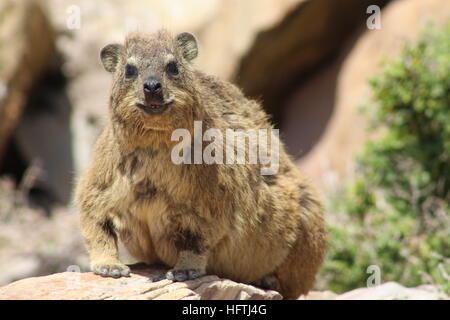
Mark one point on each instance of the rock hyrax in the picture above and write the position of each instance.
(223, 219)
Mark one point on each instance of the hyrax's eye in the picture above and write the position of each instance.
(130, 71)
(172, 68)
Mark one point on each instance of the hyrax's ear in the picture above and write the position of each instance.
(110, 56)
(188, 44)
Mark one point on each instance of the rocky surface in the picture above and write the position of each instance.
(323, 125)
(385, 291)
(88, 286)
(309, 35)
(81, 286)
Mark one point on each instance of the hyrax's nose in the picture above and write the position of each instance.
(152, 86)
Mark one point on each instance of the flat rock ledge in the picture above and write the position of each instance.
(384, 291)
(88, 286)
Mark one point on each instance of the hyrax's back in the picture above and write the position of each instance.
(254, 219)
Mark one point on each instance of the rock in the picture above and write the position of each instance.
(284, 55)
(385, 291)
(320, 295)
(322, 123)
(82, 286)
(88, 286)
(26, 44)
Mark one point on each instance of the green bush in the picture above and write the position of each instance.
(397, 209)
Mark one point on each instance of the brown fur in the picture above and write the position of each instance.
(227, 220)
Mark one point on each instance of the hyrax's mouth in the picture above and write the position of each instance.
(154, 107)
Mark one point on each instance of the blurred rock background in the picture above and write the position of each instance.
(307, 60)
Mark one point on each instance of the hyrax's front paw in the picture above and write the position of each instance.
(183, 275)
(114, 269)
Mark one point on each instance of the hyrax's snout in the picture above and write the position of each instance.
(152, 90)
(154, 97)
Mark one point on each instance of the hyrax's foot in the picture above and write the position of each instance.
(183, 275)
(267, 283)
(114, 269)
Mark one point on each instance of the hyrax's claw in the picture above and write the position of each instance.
(193, 274)
(115, 273)
(169, 275)
(183, 275)
(180, 275)
(125, 272)
(115, 269)
(157, 277)
(102, 271)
